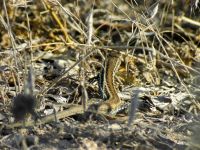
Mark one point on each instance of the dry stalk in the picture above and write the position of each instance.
(13, 46)
(133, 107)
(56, 18)
(65, 73)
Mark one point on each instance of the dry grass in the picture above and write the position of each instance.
(66, 44)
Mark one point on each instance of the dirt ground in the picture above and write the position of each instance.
(53, 51)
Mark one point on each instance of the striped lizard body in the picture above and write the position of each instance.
(112, 64)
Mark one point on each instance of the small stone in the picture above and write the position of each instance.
(115, 126)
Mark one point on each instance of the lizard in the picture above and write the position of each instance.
(112, 104)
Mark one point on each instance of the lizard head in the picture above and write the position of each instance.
(104, 108)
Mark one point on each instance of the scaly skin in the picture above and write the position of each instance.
(112, 64)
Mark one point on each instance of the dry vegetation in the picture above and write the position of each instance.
(65, 43)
